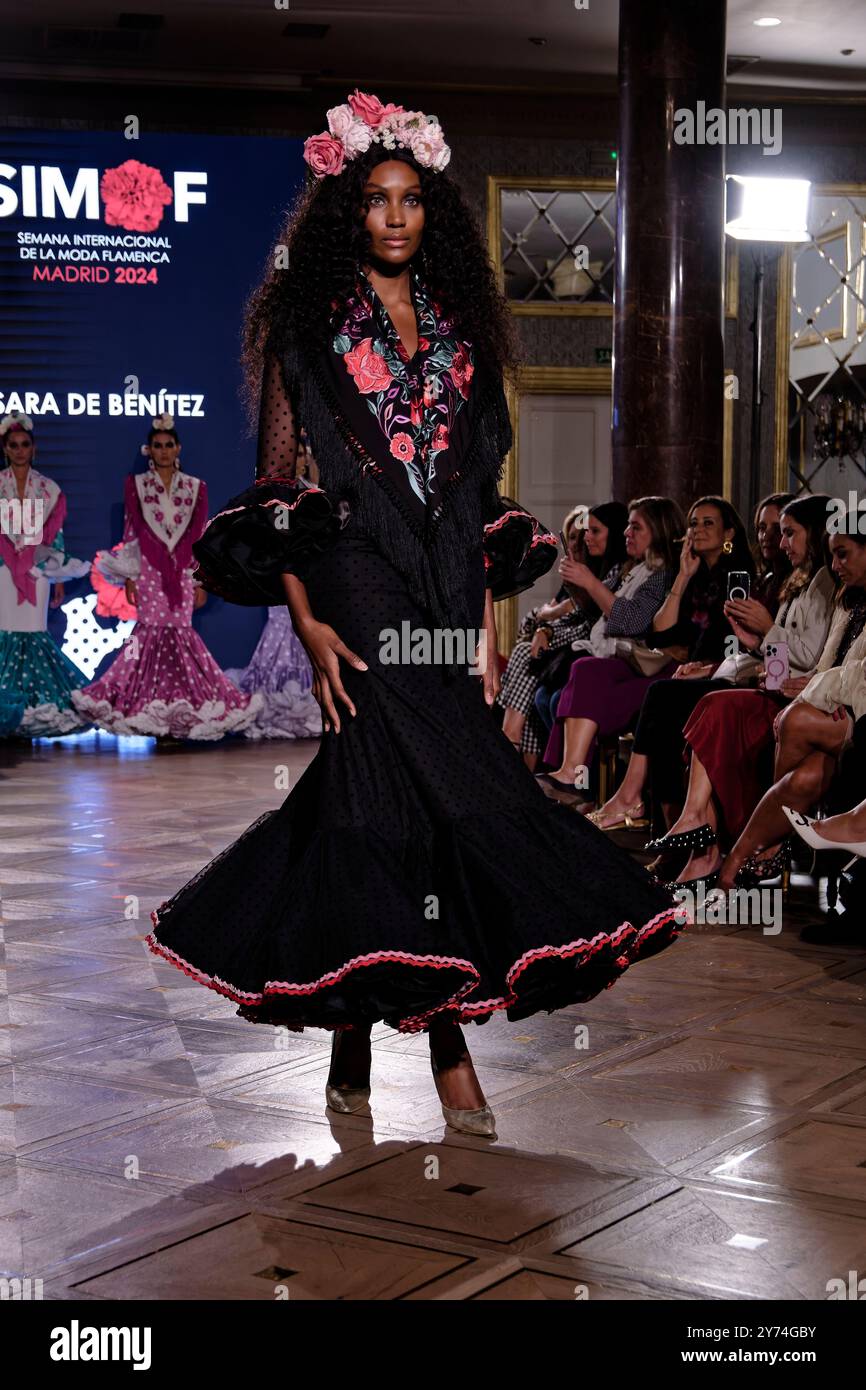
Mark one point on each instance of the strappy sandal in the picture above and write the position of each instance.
(628, 821)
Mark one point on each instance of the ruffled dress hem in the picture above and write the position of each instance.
(544, 977)
(177, 719)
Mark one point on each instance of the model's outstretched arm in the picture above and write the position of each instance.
(277, 450)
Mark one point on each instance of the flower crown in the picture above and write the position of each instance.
(15, 420)
(363, 121)
(165, 421)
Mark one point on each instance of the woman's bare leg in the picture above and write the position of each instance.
(456, 1082)
(699, 808)
(578, 735)
(849, 826)
(768, 824)
(513, 724)
(627, 796)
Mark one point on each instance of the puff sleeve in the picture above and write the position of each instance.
(518, 549)
(278, 526)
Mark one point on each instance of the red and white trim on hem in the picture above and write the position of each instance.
(626, 936)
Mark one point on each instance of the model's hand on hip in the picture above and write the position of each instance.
(324, 648)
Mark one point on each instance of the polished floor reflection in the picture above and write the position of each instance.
(702, 1135)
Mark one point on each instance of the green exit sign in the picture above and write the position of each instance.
(603, 357)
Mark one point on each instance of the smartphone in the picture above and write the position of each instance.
(739, 584)
(777, 666)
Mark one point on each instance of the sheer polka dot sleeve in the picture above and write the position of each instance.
(278, 436)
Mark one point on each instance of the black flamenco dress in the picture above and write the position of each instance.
(416, 868)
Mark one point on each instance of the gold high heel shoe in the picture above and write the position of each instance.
(632, 819)
(345, 1100)
(481, 1122)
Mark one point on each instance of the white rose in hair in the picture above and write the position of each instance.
(357, 138)
(427, 144)
(442, 158)
(340, 118)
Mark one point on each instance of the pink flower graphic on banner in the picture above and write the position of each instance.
(135, 196)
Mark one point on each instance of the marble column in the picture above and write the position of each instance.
(668, 328)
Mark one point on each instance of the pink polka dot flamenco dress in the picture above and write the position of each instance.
(164, 680)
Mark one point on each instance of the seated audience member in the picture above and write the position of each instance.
(657, 752)
(842, 830)
(732, 733)
(606, 684)
(542, 653)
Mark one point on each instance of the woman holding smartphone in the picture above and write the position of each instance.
(730, 733)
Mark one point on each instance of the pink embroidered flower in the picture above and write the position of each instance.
(369, 369)
(324, 154)
(159, 516)
(440, 438)
(462, 371)
(402, 447)
(135, 196)
(370, 109)
(415, 411)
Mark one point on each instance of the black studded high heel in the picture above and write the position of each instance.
(700, 838)
(754, 870)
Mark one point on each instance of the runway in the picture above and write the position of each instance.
(697, 1133)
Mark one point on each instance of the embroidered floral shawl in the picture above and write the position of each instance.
(409, 414)
(166, 523)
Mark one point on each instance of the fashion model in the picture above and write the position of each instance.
(416, 874)
(36, 680)
(164, 680)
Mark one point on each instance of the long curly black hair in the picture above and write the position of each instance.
(313, 267)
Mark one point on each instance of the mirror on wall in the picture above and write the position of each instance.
(553, 245)
(822, 321)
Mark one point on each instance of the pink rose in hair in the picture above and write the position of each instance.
(370, 109)
(324, 154)
(427, 144)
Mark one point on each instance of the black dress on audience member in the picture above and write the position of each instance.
(702, 630)
(400, 878)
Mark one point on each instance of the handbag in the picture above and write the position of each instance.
(551, 668)
(648, 661)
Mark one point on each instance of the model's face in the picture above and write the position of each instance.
(596, 537)
(393, 212)
(19, 448)
(794, 540)
(849, 560)
(164, 450)
(707, 532)
(637, 536)
(769, 535)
